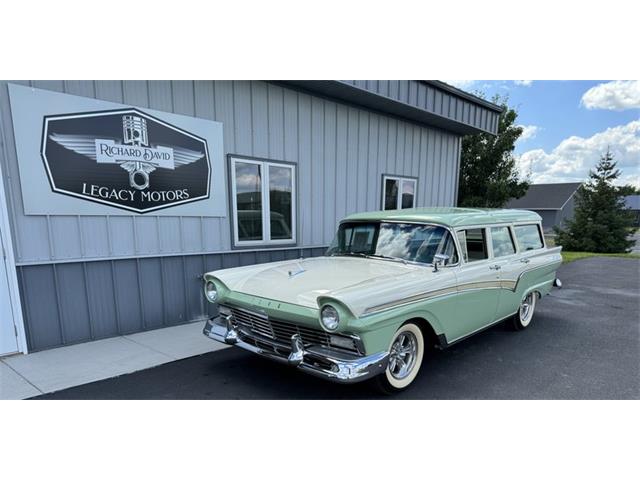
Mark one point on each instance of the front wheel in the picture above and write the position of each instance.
(522, 319)
(405, 358)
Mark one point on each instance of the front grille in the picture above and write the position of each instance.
(282, 331)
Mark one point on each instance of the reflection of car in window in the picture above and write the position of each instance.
(250, 225)
(279, 227)
(391, 285)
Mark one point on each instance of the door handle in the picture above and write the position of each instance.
(525, 260)
(495, 267)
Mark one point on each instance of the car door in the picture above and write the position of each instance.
(517, 274)
(478, 284)
(508, 265)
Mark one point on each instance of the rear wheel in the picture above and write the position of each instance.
(405, 358)
(522, 319)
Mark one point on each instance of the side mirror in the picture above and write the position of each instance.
(439, 260)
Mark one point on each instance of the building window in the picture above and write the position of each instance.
(398, 192)
(263, 202)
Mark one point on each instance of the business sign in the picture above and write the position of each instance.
(126, 159)
(122, 159)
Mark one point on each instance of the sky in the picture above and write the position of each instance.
(569, 124)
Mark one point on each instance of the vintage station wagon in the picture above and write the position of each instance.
(392, 284)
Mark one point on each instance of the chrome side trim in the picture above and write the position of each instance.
(412, 299)
(511, 285)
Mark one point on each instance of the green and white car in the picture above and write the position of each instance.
(391, 285)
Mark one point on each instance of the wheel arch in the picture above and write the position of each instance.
(428, 331)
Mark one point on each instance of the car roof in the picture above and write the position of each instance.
(449, 216)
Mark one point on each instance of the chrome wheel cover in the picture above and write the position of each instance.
(526, 309)
(402, 357)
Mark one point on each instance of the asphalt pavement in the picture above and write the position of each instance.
(583, 343)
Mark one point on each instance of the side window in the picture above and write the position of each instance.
(474, 244)
(434, 241)
(502, 242)
(529, 237)
(462, 240)
(449, 248)
(398, 192)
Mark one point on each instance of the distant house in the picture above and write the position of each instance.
(633, 203)
(554, 202)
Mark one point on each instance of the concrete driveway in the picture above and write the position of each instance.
(584, 343)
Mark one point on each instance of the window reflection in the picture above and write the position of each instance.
(391, 194)
(280, 187)
(398, 192)
(528, 237)
(412, 242)
(408, 191)
(248, 180)
(502, 243)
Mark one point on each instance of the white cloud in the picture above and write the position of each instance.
(617, 95)
(528, 132)
(524, 83)
(572, 159)
(462, 84)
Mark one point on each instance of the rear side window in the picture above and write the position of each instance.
(474, 244)
(502, 242)
(529, 237)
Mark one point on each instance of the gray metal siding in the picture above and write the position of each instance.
(549, 218)
(69, 303)
(89, 277)
(261, 120)
(567, 211)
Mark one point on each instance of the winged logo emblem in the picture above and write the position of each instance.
(133, 152)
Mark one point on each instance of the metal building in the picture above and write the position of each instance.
(244, 172)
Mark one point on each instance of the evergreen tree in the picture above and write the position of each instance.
(601, 223)
(489, 175)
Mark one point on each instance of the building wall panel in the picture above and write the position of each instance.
(85, 277)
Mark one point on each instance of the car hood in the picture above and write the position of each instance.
(301, 282)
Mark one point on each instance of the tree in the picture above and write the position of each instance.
(601, 223)
(628, 190)
(488, 173)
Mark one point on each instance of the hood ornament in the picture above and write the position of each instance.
(296, 272)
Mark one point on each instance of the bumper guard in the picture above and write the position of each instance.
(317, 360)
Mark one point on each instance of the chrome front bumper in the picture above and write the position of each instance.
(323, 362)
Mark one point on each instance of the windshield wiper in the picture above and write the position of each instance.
(368, 255)
(386, 257)
(349, 254)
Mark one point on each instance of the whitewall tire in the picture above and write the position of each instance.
(406, 352)
(523, 317)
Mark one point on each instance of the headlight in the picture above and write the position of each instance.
(329, 317)
(210, 291)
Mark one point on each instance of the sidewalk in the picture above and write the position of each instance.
(24, 376)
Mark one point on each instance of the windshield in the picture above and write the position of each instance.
(398, 241)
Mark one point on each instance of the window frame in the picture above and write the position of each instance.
(540, 235)
(265, 202)
(486, 232)
(400, 180)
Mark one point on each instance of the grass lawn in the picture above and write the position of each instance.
(568, 257)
